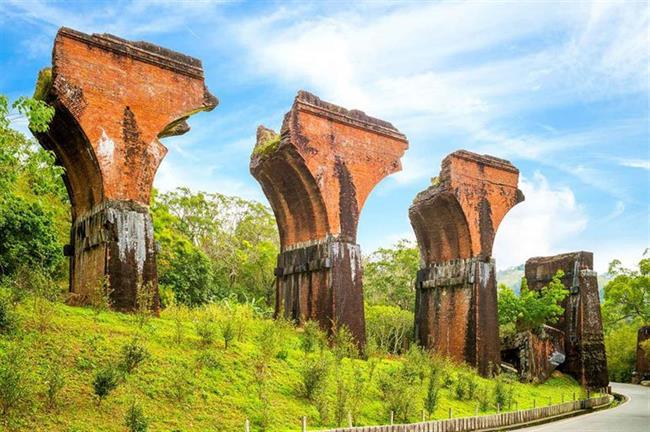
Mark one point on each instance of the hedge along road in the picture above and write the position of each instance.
(631, 416)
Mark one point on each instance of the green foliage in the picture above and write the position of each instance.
(314, 375)
(627, 295)
(532, 308)
(389, 328)
(620, 346)
(54, 381)
(8, 318)
(313, 338)
(133, 354)
(105, 381)
(343, 343)
(626, 307)
(213, 246)
(135, 420)
(43, 84)
(389, 275)
(14, 382)
(433, 388)
(268, 146)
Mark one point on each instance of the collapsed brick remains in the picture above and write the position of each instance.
(455, 221)
(534, 354)
(113, 100)
(582, 323)
(317, 175)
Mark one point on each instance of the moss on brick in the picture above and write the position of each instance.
(43, 84)
(267, 146)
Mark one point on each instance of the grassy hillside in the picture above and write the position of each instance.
(189, 381)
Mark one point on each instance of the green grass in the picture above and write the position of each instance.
(218, 387)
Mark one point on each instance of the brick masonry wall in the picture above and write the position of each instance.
(582, 322)
(113, 100)
(455, 222)
(317, 175)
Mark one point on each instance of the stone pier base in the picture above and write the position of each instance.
(321, 281)
(114, 243)
(455, 312)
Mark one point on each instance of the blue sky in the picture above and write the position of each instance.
(559, 88)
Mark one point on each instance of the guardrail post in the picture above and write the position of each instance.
(247, 426)
(349, 418)
(476, 411)
(304, 423)
(498, 408)
(451, 413)
(392, 417)
(574, 396)
(534, 403)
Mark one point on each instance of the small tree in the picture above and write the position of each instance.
(133, 353)
(14, 382)
(135, 420)
(227, 332)
(105, 381)
(54, 380)
(314, 375)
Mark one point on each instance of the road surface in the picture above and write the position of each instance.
(632, 416)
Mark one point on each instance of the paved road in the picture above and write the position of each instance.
(632, 416)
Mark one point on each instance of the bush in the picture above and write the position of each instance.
(313, 337)
(206, 329)
(433, 389)
(399, 392)
(14, 382)
(134, 420)
(133, 353)
(389, 328)
(105, 381)
(8, 318)
(228, 331)
(343, 343)
(54, 381)
(314, 375)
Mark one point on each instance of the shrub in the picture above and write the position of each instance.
(206, 329)
(313, 337)
(180, 387)
(314, 375)
(144, 303)
(390, 328)
(133, 353)
(14, 382)
(343, 343)
(399, 391)
(620, 344)
(8, 317)
(105, 381)
(433, 389)
(54, 382)
(134, 420)
(227, 331)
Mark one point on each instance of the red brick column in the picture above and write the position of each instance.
(114, 99)
(455, 221)
(582, 323)
(317, 175)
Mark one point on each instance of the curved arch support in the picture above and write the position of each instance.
(105, 134)
(317, 175)
(455, 222)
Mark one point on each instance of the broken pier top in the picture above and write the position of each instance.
(114, 99)
(458, 216)
(319, 171)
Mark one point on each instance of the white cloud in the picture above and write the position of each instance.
(546, 223)
(636, 163)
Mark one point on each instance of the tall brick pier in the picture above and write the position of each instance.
(317, 175)
(114, 99)
(582, 323)
(455, 221)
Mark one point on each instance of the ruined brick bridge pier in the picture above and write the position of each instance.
(317, 174)
(113, 101)
(455, 222)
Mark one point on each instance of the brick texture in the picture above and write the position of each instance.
(114, 99)
(317, 175)
(455, 221)
(582, 323)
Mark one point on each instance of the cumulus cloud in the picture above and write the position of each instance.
(546, 223)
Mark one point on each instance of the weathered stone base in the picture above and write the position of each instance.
(535, 355)
(322, 281)
(642, 368)
(114, 240)
(455, 311)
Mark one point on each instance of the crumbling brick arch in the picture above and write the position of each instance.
(455, 220)
(114, 99)
(317, 174)
(293, 193)
(441, 229)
